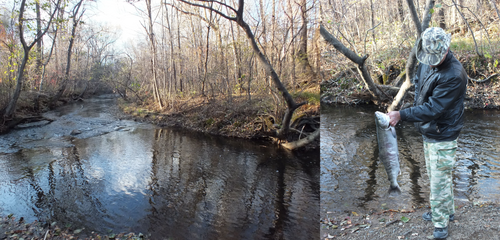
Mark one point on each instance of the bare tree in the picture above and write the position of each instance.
(9, 111)
(410, 64)
(412, 59)
(302, 53)
(76, 20)
(236, 15)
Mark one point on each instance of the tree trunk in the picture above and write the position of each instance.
(76, 21)
(292, 60)
(39, 56)
(9, 111)
(274, 77)
(412, 59)
(173, 79)
(441, 17)
(205, 64)
(20, 75)
(151, 36)
(401, 12)
(302, 53)
(269, 70)
(237, 61)
(181, 62)
(495, 6)
(373, 26)
(368, 81)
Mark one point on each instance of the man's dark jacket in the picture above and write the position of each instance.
(438, 110)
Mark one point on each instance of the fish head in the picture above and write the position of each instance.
(382, 119)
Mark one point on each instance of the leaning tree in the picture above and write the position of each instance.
(235, 14)
(374, 89)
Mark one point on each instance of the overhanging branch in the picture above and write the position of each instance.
(212, 9)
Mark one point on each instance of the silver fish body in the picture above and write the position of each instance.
(388, 149)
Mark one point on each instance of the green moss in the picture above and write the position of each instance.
(311, 98)
(209, 122)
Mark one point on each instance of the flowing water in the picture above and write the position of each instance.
(119, 176)
(353, 178)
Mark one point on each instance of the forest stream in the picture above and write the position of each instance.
(85, 168)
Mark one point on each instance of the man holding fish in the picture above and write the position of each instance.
(438, 114)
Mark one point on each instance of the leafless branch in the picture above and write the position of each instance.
(212, 9)
(371, 29)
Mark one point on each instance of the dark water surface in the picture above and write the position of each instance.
(353, 178)
(120, 176)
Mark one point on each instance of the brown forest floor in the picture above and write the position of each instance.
(474, 221)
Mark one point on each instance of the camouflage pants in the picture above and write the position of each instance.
(439, 160)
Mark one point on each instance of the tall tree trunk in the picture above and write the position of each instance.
(44, 65)
(9, 111)
(292, 60)
(441, 17)
(76, 21)
(237, 60)
(401, 12)
(205, 65)
(373, 26)
(173, 78)
(39, 56)
(181, 62)
(302, 52)
(151, 36)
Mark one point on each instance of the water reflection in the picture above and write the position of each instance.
(167, 183)
(352, 179)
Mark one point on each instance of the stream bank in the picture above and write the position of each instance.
(238, 118)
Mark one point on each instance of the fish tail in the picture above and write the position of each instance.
(395, 189)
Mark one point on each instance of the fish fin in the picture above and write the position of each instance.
(394, 190)
(393, 131)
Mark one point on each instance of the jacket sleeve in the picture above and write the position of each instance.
(443, 96)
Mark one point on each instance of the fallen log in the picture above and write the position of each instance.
(302, 142)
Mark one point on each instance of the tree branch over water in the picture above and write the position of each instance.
(360, 61)
(270, 72)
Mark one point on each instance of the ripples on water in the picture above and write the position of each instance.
(163, 182)
(353, 179)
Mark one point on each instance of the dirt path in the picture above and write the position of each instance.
(475, 221)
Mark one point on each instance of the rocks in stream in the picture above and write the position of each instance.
(75, 132)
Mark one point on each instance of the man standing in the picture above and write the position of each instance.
(438, 114)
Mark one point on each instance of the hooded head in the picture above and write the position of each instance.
(433, 46)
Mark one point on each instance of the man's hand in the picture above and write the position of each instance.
(394, 117)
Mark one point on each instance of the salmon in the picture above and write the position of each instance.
(388, 150)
